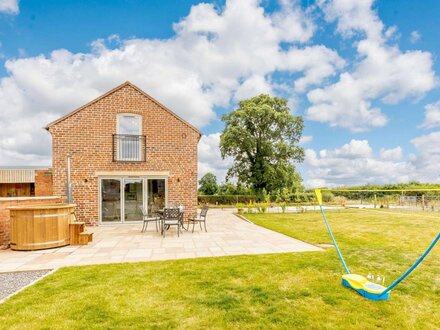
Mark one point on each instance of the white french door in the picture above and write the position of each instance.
(121, 198)
(133, 199)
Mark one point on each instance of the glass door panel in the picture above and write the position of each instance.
(133, 199)
(129, 137)
(111, 200)
(156, 195)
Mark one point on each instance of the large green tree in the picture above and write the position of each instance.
(262, 137)
(208, 184)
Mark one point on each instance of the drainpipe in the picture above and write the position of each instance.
(69, 184)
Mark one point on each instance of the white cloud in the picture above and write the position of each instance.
(391, 154)
(305, 59)
(432, 115)
(414, 36)
(253, 86)
(292, 24)
(384, 73)
(305, 139)
(353, 17)
(217, 55)
(428, 158)
(210, 159)
(9, 7)
(356, 149)
(429, 142)
(355, 163)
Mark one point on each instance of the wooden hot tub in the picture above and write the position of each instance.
(35, 227)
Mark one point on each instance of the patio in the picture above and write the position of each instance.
(227, 235)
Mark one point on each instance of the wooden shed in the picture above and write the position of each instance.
(25, 181)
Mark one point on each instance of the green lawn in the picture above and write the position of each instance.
(282, 291)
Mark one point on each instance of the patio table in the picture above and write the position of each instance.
(160, 212)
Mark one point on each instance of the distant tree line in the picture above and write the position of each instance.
(392, 187)
(211, 191)
(208, 185)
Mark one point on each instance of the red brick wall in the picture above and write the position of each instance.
(43, 182)
(171, 145)
(14, 201)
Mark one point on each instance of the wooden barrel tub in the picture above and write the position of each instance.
(36, 227)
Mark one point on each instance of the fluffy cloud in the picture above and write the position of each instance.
(352, 164)
(355, 163)
(414, 37)
(210, 159)
(305, 139)
(252, 86)
(215, 57)
(353, 17)
(384, 73)
(391, 154)
(427, 161)
(9, 7)
(432, 115)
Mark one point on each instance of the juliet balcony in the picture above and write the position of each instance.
(129, 148)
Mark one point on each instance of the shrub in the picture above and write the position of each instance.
(250, 207)
(262, 207)
(327, 197)
(240, 207)
(340, 200)
(283, 206)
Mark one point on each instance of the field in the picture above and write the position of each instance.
(279, 291)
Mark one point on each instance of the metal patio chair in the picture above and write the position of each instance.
(147, 219)
(201, 218)
(171, 217)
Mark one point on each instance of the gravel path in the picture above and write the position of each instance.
(12, 282)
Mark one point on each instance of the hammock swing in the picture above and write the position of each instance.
(361, 284)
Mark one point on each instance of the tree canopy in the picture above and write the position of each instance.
(262, 137)
(208, 184)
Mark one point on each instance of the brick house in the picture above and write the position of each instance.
(125, 150)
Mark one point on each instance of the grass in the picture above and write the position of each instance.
(280, 291)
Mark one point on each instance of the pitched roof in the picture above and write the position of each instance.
(127, 83)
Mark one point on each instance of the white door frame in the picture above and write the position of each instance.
(122, 196)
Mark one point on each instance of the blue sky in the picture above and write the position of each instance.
(363, 74)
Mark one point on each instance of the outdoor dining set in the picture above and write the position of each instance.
(168, 217)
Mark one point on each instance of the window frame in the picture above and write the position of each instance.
(128, 114)
(119, 156)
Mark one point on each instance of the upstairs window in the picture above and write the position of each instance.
(129, 140)
(129, 124)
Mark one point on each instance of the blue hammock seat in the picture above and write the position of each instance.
(364, 287)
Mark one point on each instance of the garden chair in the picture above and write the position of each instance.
(201, 218)
(171, 217)
(147, 218)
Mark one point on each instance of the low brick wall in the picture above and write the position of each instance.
(14, 201)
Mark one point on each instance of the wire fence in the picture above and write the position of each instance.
(307, 202)
(413, 203)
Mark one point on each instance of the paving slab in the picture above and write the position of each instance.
(227, 235)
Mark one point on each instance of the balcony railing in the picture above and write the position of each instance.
(129, 148)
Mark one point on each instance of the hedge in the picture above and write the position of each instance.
(226, 199)
(246, 199)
